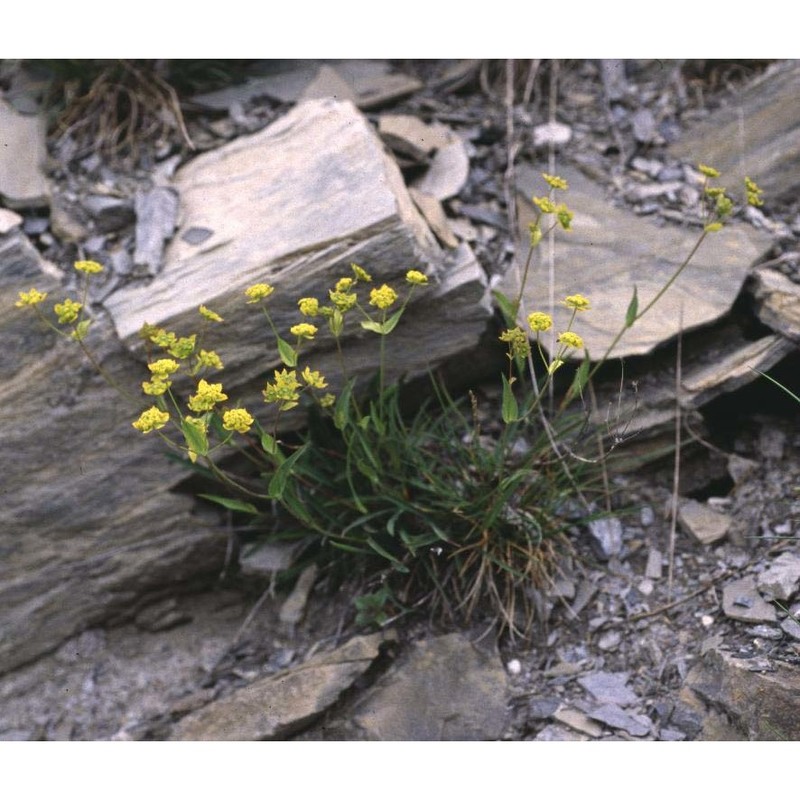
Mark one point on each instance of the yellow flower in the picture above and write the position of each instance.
(753, 193)
(518, 342)
(709, 172)
(313, 378)
(344, 284)
(361, 274)
(210, 315)
(570, 339)
(31, 298)
(209, 358)
(416, 277)
(342, 300)
(89, 267)
(151, 420)
(67, 311)
(183, 347)
(327, 400)
(545, 205)
(259, 291)
(163, 367)
(157, 386)
(554, 365)
(555, 182)
(713, 227)
(207, 396)
(539, 321)
(309, 306)
(576, 301)
(303, 330)
(535, 232)
(283, 390)
(382, 298)
(564, 217)
(724, 205)
(237, 419)
(198, 422)
(162, 338)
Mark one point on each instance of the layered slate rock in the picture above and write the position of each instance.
(293, 206)
(609, 251)
(89, 521)
(755, 134)
(445, 690)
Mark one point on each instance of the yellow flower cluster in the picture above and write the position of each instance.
(309, 306)
(303, 330)
(570, 339)
(416, 277)
(539, 321)
(555, 182)
(259, 291)
(89, 267)
(383, 297)
(207, 396)
(518, 343)
(163, 368)
(237, 419)
(67, 311)
(210, 315)
(753, 193)
(151, 420)
(313, 378)
(283, 389)
(209, 359)
(31, 298)
(361, 274)
(577, 302)
(709, 172)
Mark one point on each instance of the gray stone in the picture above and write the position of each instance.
(22, 157)
(283, 704)
(109, 213)
(328, 83)
(644, 125)
(654, 567)
(741, 601)
(702, 522)
(294, 607)
(559, 733)
(757, 136)
(771, 443)
(609, 641)
(8, 221)
(156, 218)
(764, 705)
(609, 687)
(740, 469)
(543, 707)
(606, 534)
(782, 578)
(448, 171)
(411, 136)
(578, 721)
(555, 133)
(445, 690)
(610, 250)
(613, 716)
(791, 627)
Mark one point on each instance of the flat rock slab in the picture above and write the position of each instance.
(757, 134)
(781, 580)
(610, 250)
(609, 687)
(22, 157)
(279, 705)
(446, 690)
(703, 523)
(741, 600)
(765, 705)
(294, 205)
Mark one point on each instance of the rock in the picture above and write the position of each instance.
(781, 580)
(609, 687)
(109, 213)
(791, 627)
(741, 600)
(22, 180)
(444, 690)
(67, 221)
(412, 137)
(268, 558)
(578, 721)
(644, 126)
(543, 707)
(764, 705)
(280, 705)
(606, 534)
(328, 83)
(447, 173)
(162, 616)
(554, 133)
(8, 221)
(771, 442)
(294, 607)
(156, 218)
(615, 83)
(325, 194)
(757, 136)
(434, 215)
(609, 641)
(613, 716)
(558, 733)
(654, 567)
(706, 525)
(740, 469)
(610, 250)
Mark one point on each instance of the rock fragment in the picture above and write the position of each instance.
(609, 687)
(702, 522)
(781, 580)
(742, 601)
(22, 157)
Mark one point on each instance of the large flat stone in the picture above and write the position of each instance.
(610, 250)
(22, 158)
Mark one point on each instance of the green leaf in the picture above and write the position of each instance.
(81, 330)
(506, 309)
(287, 353)
(231, 503)
(581, 377)
(269, 444)
(779, 385)
(341, 413)
(391, 323)
(387, 555)
(277, 485)
(510, 409)
(196, 438)
(633, 309)
(371, 325)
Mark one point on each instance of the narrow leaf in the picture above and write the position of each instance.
(278, 483)
(391, 323)
(268, 444)
(196, 438)
(231, 503)
(510, 409)
(633, 309)
(287, 353)
(581, 377)
(506, 308)
(371, 325)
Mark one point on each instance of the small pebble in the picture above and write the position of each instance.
(514, 667)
